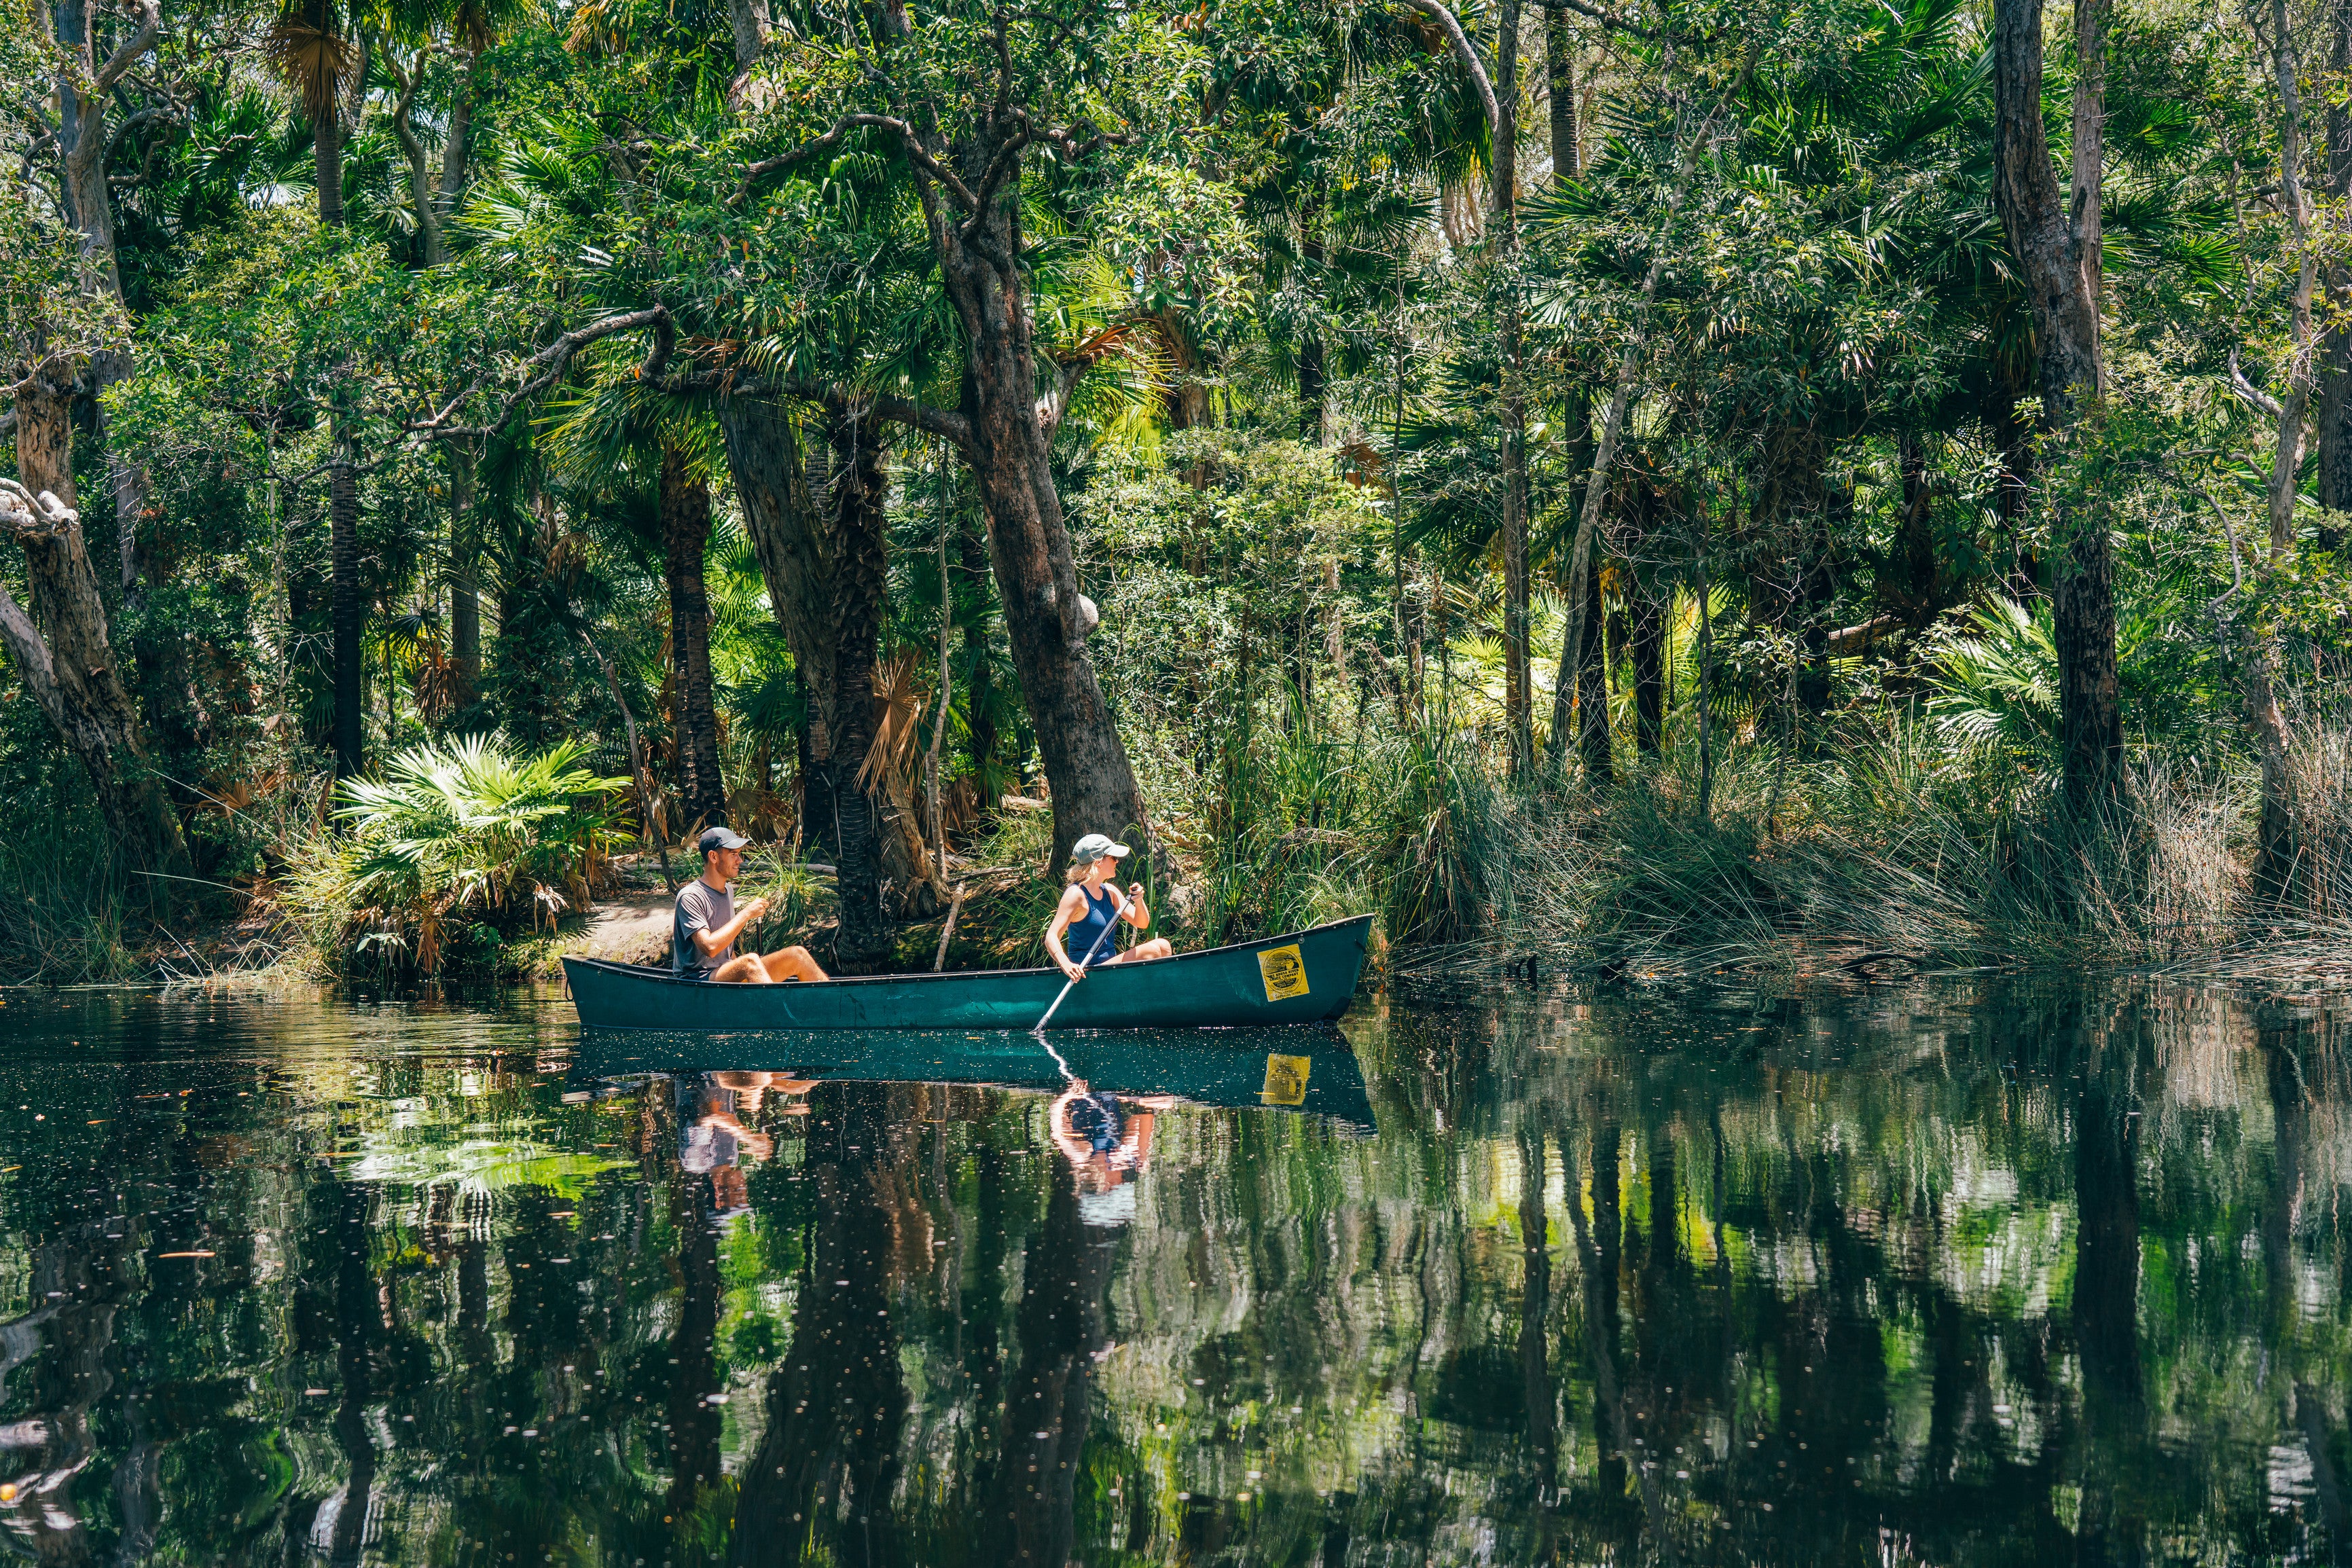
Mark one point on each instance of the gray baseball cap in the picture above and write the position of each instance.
(1093, 847)
(721, 839)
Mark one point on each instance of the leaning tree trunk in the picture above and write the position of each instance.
(1010, 447)
(2055, 238)
(66, 661)
(685, 532)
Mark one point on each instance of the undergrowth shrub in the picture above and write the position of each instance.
(461, 845)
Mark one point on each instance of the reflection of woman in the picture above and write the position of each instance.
(1108, 1141)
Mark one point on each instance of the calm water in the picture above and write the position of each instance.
(1962, 1275)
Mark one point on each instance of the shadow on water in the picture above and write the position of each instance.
(1970, 1274)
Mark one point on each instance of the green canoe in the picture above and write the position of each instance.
(1302, 976)
(1310, 1070)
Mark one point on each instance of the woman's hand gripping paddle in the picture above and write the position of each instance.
(1103, 936)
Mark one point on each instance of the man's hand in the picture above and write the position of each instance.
(752, 911)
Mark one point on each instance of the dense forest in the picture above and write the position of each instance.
(1634, 485)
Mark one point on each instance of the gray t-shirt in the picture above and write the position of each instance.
(700, 908)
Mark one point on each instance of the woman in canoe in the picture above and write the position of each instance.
(1088, 908)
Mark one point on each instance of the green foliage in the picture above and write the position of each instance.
(2000, 685)
(469, 832)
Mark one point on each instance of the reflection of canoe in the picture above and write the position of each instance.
(1309, 1069)
(1304, 976)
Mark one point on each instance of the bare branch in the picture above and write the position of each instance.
(1468, 57)
(916, 153)
(1609, 19)
(549, 364)
(151, 22)
(31, 517)
(2250, 394)
(148, 116)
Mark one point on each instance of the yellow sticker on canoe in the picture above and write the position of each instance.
(1283, 972)
(1286, 1081)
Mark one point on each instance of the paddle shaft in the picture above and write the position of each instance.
(1105, 936)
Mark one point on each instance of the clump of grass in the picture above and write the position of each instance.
(1898, 844)
(64, 913)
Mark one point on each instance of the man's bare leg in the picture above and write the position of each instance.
(738, 971)
(793, 964)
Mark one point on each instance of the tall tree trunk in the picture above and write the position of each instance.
(430, 250)
(66, 660)
(1647, 644)
(1518, 684)
(348, 610)
(1914, 540)
(1008, 440)
(1592, 691)
(2333, 419)
(2275, 852)
(686, 534)
(1498, 98)
(1314, 390)
(2055, 238)
(860, 578)
(971, 559)
(327, 168)
(456, 144)
(826, 570)
(465, 570)
(1559, 74)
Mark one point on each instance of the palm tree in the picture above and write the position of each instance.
(322, 61)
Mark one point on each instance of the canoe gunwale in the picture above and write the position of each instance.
(671, 978)
(1292, 977)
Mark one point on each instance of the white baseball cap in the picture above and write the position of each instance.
(1093, 847)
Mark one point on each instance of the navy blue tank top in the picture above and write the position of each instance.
(1079, 934)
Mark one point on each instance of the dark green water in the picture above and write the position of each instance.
(1966, 1275)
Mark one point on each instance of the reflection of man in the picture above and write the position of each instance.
(1107, 1140)
(712, 1139)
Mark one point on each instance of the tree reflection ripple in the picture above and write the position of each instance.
(1947, 1272)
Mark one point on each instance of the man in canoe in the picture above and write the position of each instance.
(1087, 909)
(704, 930)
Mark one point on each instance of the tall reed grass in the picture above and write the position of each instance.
(1898, 843)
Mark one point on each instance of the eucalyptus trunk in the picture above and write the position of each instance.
(1010, 444)
(2054, 239)
(61, 648)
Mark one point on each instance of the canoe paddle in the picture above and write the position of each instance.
(1100, 938)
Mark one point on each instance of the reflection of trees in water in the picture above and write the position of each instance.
(2029, 1277)
(836, 1405)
